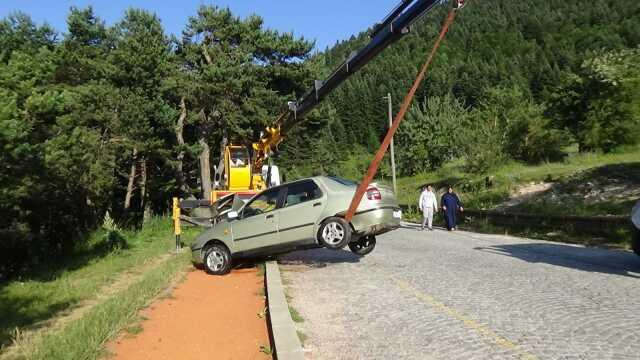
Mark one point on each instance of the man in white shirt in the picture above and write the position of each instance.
(428, 204)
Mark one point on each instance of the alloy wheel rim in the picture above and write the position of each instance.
(333, 233)
(215, 260)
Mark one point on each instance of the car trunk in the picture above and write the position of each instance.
(387, 197)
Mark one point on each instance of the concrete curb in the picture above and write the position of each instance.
(285, 338)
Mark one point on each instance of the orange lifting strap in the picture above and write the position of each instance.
(373, 167)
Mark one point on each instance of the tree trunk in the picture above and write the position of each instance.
(205, 154)
(144, 204)
(205, 168)
(182, 183)
(205, 52)
(143, 182)
(219, 175)
(132, 176)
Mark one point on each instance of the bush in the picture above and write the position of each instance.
(113, 239)
(600, 104)
(431, 135)
(517, 126)
(534, 141)
(484, 149)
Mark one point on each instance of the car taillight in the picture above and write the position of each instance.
(373, 194)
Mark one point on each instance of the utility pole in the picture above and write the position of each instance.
(393, 158)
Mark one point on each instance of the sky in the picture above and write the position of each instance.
(325, 21)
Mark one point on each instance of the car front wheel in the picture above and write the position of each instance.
(334, 233)
(217, 259)
(363, 246)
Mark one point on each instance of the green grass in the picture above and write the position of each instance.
(295, 315)
(576, 170)
(475, 194)
(58, 286)
(134, 329)
(266, 349)
(85, 338)
(261, 269)
(302, 336)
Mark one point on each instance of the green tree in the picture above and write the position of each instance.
(431, 135)
(525, 133)
(240, 76)
(613, 111)
(139, 63)
(19, 32)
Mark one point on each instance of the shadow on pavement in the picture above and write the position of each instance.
(318, 257)
(586, 259)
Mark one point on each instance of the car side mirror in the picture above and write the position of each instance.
(232, 215)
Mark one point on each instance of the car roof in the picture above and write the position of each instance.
(326, 181)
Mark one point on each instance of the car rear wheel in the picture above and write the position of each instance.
(217, 259)
(334, 233)
(363, 246)
(635, 241)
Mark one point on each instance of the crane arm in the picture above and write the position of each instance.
(393, 27)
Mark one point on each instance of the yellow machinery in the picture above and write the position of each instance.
(238, 169)
(242, 174)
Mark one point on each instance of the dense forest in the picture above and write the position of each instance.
(121, 118)
(118, 119)
(513, 80)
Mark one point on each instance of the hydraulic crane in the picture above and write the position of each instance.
(243, 174)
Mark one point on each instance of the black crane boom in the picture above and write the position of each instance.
(393, 27)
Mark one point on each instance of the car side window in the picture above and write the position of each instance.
(302, 192)
(264, 203)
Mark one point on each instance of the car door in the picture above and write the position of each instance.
(303, 203)
(257, 225)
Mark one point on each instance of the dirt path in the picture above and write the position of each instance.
(206, 317)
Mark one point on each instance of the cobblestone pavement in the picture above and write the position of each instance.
(440, 295)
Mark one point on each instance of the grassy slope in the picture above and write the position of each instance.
(51, 290)
(105, 320)
(505, 179)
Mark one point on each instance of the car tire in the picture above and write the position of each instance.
(363, 246)
(217, 259)
(635, 240)
(335, 233)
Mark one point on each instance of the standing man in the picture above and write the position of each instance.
(428, 204)
(450, 205)
(635, 221)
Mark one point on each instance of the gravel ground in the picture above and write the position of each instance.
(460, 295)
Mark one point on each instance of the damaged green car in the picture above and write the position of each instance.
(304, 214)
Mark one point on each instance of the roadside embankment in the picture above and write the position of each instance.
(48, 312)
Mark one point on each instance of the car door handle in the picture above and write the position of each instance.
(317, 204)
(269, 216)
